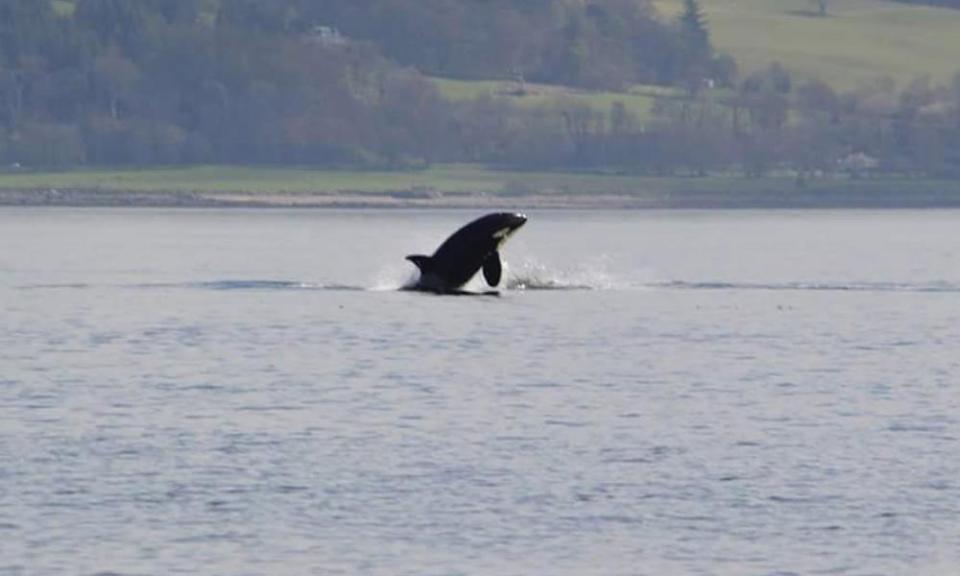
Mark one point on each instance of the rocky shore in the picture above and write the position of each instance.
(98, 197)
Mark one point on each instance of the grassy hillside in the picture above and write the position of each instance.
(858, 40)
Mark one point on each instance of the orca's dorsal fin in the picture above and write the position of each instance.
(422, 262)
(492, 268)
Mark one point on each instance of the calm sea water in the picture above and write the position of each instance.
(248, 393)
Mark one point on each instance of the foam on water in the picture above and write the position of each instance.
(206, 285)
(942, 287)
(397, 276)
(531, 274)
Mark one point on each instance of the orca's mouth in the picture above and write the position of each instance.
(517, 221)
(512, 224)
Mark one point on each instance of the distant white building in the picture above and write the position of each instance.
(326, 35)
(858, 163)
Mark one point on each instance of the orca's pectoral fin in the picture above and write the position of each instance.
(492, 268)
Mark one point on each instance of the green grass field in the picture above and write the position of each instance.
(63, 7)
(456, 180)
(859, 40)
(255, 179)
(450, 179)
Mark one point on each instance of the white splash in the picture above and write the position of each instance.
(531, 274)
(394, 277)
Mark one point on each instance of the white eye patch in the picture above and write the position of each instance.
(502, 233)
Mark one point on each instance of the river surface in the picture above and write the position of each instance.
(652, 393)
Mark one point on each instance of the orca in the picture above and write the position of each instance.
(472, 247)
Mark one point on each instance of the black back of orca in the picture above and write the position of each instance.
(469, 249)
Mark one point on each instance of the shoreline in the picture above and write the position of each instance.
(80, 197)
(462, 186)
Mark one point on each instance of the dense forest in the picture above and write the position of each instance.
(600, 44)
(348, 82)
(297, 81)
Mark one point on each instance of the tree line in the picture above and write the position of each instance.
(769, 123)
(186, 81)
(297, 81)
(597, 44)
(346, 83)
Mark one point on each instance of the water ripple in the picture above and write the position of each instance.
(926, 287)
